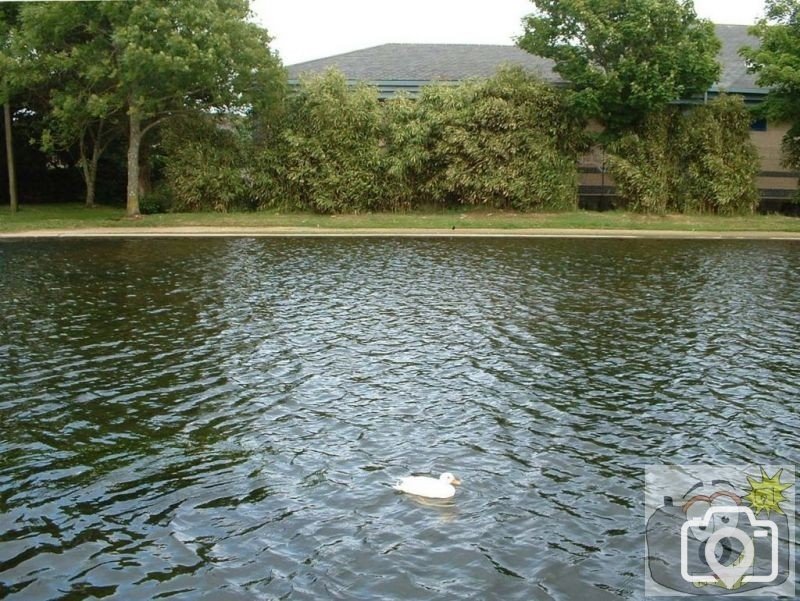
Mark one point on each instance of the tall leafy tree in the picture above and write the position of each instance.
(8, 18)
(777, 65)
(624, 58)
(144, 62)
(64, 51)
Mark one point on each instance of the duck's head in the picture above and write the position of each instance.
(449, 478)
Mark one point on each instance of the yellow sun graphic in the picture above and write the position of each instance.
(767, 494)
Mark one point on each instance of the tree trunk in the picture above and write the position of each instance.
(91, 180)
(134, 144)
(89, 172)
(145, 185)
(89, 167)
(12, 172)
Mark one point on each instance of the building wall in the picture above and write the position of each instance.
(775, 179)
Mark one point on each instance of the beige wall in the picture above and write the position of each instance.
(769, 146)
(774, 176)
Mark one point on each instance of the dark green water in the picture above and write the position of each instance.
(222, 419)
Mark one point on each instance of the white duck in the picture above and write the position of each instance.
(423, 486)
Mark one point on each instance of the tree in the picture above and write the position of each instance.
(777, 64)
(146, 61)
(63, 51)
(8, 16)
(73, 115)
(624, 59)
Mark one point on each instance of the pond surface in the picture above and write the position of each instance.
(223, 419)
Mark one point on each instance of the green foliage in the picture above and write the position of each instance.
(63, 50)
(408, 157)
(332, 155)
(718, 159)
(699, 161)
(140, 63)
(9, 65)
(208, 165)
(159, 200)
(184, 54)
(507, 142)
(791, 147)
(150, 56)
(776, 61)
(644, 166)
(624, 58)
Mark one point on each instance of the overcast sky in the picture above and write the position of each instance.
(309, 29)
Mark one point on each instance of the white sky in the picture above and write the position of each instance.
(309, 29)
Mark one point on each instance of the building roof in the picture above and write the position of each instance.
(734, 68)
(427, 62)
(395, 67)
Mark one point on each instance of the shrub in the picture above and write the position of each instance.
(407, 157)
(718, 158)
(507, 142)
(644, 166)
(158, 200)
(332, 158)
(209, 164)
(700, 160)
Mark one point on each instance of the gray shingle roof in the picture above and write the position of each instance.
(734, 68)
(414, 64)
(427, 62)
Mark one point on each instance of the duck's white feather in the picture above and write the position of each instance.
(423, 486)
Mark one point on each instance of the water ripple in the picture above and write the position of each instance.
(222, 419)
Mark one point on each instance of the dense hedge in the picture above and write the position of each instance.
(509, 142)
(719, 161)
(211, 164)
(696, 160)
(332, 159)
(644, 167)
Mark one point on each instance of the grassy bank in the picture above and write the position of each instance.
(75, 216)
